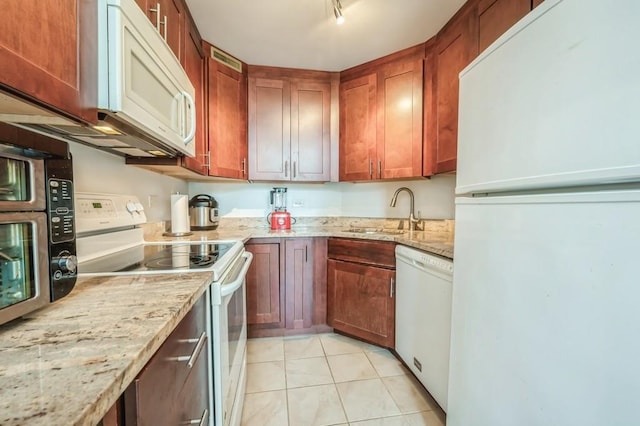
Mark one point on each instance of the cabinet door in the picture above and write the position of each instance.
(358, 128)
(194, 66)
(360, 301)
(536, 3)
(310, 131)
(497, 16)
(269, 129)
(172, 26)
(227, 94)
(399, 131)
(299, 282)
(47, 52)
(430, 133)
(264, 298)
(169, 19)
(457, 46)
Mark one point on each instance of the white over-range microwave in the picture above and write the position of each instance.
(140, 81)
(145, 99)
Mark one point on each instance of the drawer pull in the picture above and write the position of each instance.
(197, 349)
(202, 421)
(191, 359)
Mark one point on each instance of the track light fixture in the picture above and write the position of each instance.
(337, 10)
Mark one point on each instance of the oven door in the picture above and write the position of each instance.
(229, 339)
(24, 266)
(21, 183)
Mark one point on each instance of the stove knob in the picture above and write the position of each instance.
(68, 263)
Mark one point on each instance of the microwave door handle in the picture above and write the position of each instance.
(192, 128)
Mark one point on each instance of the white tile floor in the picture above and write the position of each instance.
(329, 379)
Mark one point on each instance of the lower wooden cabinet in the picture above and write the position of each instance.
(172, 388)
(360, 289)
(265, 300)
(286, 286)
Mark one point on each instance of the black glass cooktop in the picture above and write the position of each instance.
(158, 258)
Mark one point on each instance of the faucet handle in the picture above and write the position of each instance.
(414, 222)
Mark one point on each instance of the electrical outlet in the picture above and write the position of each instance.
(298, 203)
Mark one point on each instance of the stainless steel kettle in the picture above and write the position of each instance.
(203, 213)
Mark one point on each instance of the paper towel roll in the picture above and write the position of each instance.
(179, 213)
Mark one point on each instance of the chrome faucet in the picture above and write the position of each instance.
(413, 222)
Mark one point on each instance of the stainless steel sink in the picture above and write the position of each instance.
(375, 231)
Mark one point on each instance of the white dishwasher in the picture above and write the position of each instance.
(423, 317)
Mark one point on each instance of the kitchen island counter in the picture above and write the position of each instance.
(68, 363)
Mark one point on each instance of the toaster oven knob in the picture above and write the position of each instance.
(68, 263)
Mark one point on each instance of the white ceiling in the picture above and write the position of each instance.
(304, 33)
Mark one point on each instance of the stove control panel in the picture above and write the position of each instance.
(99, 212)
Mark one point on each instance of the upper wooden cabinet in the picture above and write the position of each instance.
(536, 3)
(497, 16)
(194, 66)
(381, 118)
(289, 124)
(358, 106)
(399, 134)
(48, 54)
(227, 120)
(456, 46)
(168, 16)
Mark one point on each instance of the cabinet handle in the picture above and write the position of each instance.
(379, 169)
(191, 359)
(371, 169)
(286, 168)
(391, 282)
(295, 171)
(202, 421)
(197, 349)
(208, 163)
(306, 254)
(164, 23)
(157, 12)
(244, 163)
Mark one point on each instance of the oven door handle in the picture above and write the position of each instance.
(228, 289)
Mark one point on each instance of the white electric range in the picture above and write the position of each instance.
(110, 242)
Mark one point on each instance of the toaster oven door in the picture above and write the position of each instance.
(24, 274)
(21, 183)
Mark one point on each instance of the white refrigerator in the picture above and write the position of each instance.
(546, 283)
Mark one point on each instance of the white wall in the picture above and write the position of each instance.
(99, 171)
(434, 198)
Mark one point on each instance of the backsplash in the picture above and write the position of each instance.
(434, 198)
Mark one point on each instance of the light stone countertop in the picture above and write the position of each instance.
(436, 238)
(67, 363)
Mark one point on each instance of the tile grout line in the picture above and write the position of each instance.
(335, 386)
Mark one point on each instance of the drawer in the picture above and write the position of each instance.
(368, 252)
(149, 400)
(192, 402)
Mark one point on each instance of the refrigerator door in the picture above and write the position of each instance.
(546, 310)
(554, 101)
